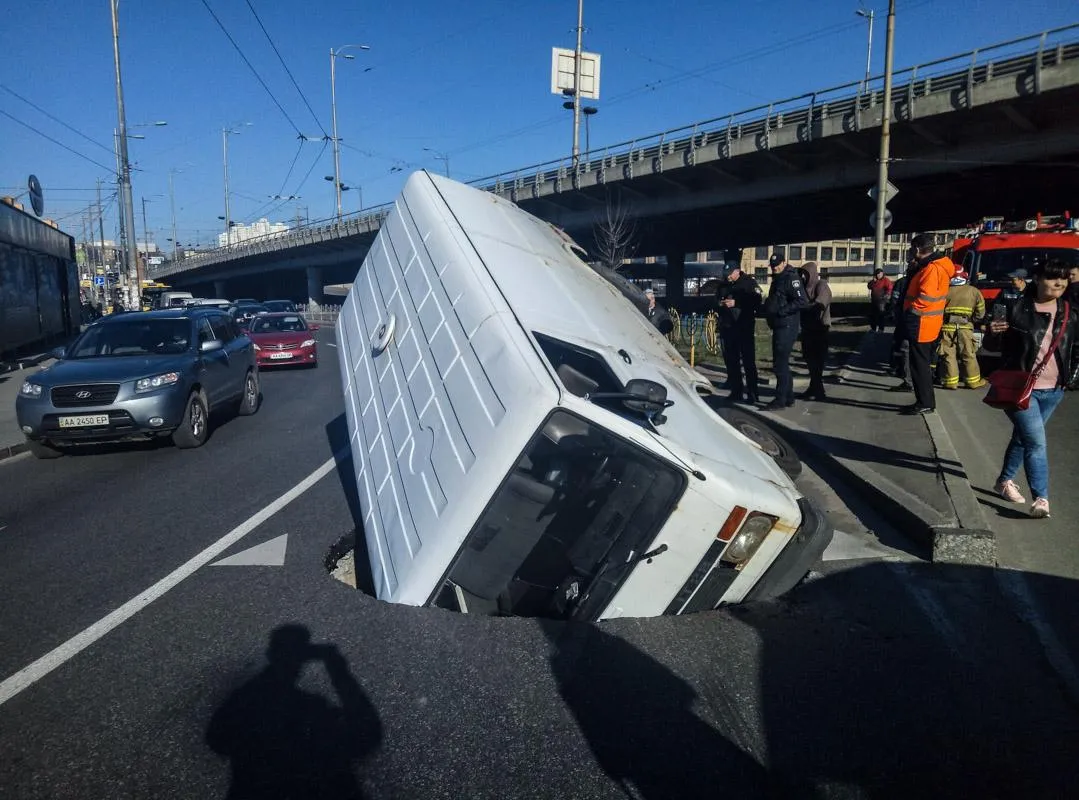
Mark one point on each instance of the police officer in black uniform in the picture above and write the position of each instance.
(782, 310)
(738, 300)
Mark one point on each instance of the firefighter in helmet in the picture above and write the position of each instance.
(957, 351)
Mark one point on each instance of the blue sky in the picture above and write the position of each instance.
(469, 79)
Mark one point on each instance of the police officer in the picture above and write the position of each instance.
(782, 310)
(738, 299)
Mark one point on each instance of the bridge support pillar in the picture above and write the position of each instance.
(314, 286)
(676, 280)
(219, 290)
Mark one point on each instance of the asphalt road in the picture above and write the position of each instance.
(874, 679)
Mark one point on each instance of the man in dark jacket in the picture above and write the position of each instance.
(900, 345)
(658, 314)
(816, 322)
(738, 299)
(782, 310)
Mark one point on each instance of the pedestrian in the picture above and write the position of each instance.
(880, 295)
(738, 299)
(1040, 337)
(900, 345)
(923, 314)
(816, 322)
(1073, 285)
(957, 352)
(1010, 294)
(782, 310)
(658, 315)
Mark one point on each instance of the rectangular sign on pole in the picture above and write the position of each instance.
(562, 72)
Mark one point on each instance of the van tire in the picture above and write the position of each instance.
(251, 395)
(195, 428)
(756, 429)
(42, 450)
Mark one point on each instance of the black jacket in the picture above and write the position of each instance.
(786, 299)
(747, 301)
(1019, 344)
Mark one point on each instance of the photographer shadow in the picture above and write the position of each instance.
(284, 742)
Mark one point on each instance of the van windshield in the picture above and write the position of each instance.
(578, 504)
(994, 265)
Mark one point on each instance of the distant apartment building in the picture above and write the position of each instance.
(256, 230)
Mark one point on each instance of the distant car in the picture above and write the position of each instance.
(282, 339)
(243, 313)
(213, 302)
(140, 375)
(245, 300)
(281, 305)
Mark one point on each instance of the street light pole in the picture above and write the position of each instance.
(172, 212)
(225, 159)
(885, 139)
(869, 15)
(133, 267)
(443, 157)
(577, 87)
(336, 148)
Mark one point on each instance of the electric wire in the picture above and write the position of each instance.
(57, 120)
(56, 142)
(251, 67)
(280, 58)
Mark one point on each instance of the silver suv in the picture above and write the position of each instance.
(141, 376)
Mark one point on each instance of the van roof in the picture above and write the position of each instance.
(1065, 240)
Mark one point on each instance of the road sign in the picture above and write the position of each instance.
(890, 191)
(887, 219)
(99, 280)
(563, 69)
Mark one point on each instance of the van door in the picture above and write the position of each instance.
(236, 348)
(215, 373)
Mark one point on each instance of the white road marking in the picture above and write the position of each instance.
(37, 670)
(846, 546)
(329, 344)
(267, 554)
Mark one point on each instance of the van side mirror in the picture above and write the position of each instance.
(646, 393)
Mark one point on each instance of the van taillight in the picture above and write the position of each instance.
(730, 527)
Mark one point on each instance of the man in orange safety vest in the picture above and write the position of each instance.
(923, 316)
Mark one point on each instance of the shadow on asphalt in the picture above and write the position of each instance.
(337, 436)
(992, 501)
(863, 451)
(283, 742)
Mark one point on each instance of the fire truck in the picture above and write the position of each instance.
(997, 248)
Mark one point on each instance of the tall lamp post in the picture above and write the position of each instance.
(443, 157)
(340, 51)
(134, 273)
(868, 14)
(344, 187)
(231, 130)
(885, 140)
(127, 203)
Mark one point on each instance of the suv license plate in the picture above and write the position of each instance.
(279, 356)
(84, 421)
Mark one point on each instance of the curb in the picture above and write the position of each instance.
(962, 537)
(12, 450)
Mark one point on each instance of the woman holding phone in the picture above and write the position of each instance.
(1039, 336)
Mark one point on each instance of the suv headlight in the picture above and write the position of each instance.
(156, 382)
(308, 343)
(749, 539)
(30, 389)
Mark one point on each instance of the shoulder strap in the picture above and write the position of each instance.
(1056, 341)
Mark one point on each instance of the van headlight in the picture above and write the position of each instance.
(749, 539)
(156, 382)
(30, 389)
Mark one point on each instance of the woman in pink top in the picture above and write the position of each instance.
(1034, 322)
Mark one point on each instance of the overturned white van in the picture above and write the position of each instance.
(526, 443)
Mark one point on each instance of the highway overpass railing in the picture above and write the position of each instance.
(1025, 58)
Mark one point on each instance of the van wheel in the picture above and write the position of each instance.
(196, 424)
(249, 400)
(757, 430)
(42, 450)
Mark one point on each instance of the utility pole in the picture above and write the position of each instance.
(134, 272)
(336, 148)
(172, 210)
(885, 140)
(869, 15)
(228, 221)
(145, 230)
(577, 87)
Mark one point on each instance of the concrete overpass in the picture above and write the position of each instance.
(992, 131)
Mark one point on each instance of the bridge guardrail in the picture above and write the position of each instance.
(1012, 57)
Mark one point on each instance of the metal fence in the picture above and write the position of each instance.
(320, 315)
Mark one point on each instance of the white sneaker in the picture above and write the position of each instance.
(1040, 509)
(1009, 491)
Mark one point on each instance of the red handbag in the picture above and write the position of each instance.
(1010, 389)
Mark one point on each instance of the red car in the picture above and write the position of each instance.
(282, 339)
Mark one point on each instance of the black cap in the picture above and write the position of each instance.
(776, 260)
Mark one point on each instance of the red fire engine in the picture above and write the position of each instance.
(997, 248)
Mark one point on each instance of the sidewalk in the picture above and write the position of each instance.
(12, 441)
(906, 465)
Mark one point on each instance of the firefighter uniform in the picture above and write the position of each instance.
(957, 352)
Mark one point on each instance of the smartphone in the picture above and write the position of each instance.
(1000, 313)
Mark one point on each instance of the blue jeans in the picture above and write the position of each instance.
(1027, 447)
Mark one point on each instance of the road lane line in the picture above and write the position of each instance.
(329, 344)
(37, 670)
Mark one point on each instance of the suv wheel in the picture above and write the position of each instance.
(196, 424)
(42, 450)
(249, 400)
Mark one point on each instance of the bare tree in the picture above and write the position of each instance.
(615, 234)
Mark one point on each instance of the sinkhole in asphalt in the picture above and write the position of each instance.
(340, 560)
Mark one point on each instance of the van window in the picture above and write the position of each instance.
(580, 370)
(578, 504)
(220, 325)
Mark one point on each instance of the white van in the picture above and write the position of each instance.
(527, 443)
(172, 299)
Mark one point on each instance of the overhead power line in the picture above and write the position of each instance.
(251, 67)
(38, 108)
(303, 97)
(58, 143)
